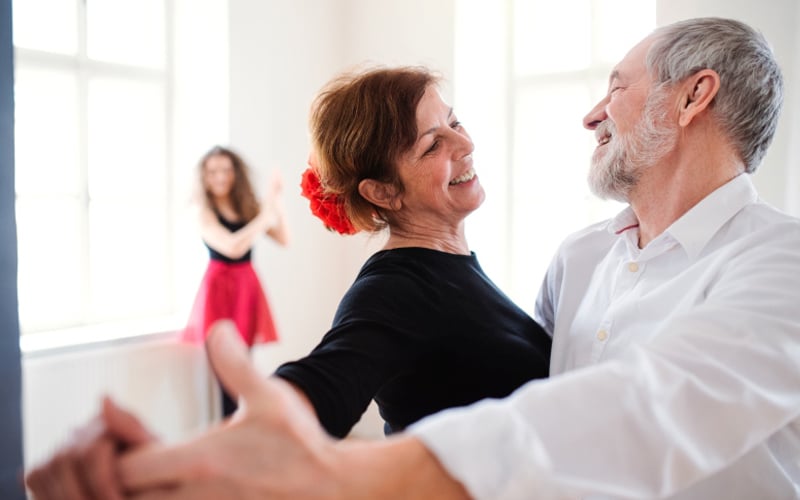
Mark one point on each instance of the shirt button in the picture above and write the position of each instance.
(602, 335)
(633, 267)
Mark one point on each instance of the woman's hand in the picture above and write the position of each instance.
(273, 208)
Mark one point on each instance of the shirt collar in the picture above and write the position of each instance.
(695, 228)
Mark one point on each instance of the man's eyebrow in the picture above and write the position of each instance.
(614, 74)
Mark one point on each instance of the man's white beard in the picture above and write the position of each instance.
(617, 166)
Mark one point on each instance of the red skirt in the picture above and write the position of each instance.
(231, 291)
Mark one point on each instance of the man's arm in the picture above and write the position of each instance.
(706, 396)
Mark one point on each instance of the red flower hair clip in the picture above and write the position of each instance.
(329, 208)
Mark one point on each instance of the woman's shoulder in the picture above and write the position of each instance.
(396, 274)
(418, 258)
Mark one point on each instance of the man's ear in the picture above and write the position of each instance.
(380, 194)
(698, 92)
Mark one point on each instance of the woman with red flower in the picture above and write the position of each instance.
(231, 219)
(422, 328)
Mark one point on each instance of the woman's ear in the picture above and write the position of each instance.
(380, 194)
(698, 92)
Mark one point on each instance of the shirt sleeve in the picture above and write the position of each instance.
(715, 383)
(374, 336)
(544, 310)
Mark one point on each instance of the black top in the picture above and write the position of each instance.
(232, 227)
(420, 331)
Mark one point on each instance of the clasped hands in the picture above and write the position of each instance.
(273, 447)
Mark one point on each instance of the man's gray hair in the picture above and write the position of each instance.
(750, 97)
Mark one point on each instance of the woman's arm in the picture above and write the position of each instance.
(233, 244)
(274, 448)
(279, 231)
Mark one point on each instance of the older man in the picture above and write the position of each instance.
(676, 355)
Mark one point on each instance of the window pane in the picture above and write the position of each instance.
(621, 24)
(551, 36)
(126, 32)
(126, 138)
(49, 25)
(128, 255)
(46, 131)
(50, 272)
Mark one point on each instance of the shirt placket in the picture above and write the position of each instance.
(627, 275)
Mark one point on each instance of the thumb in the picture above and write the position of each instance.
(230, 360)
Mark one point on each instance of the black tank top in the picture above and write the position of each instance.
(232, 227)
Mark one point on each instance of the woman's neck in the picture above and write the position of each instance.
(454, 242)
(224, 207)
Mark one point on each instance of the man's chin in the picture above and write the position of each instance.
(606, 189)
(611, 196)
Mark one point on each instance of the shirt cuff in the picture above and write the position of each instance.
(489, 449)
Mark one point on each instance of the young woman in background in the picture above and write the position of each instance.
(231, 218)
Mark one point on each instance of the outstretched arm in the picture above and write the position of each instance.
(273, 447)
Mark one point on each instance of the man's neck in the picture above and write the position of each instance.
(666, 192)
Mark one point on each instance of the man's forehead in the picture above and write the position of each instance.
(634, 60)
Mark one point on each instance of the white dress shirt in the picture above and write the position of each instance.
(675, 368)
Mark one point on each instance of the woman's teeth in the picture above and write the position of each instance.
(468, 176)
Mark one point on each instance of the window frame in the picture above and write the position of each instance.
(88, 327)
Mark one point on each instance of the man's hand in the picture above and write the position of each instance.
(85, 467)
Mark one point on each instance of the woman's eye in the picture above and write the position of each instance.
(433, 147)
(455, 124)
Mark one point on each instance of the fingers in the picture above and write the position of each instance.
(73, 472)
(158, 466)
(55, 479)
(98, 470)
(276, 183)
(231, 362)
(86, 466)
(124, 425)
(191, 491)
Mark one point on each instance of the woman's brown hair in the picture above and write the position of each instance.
(360, 124)
(242, 196)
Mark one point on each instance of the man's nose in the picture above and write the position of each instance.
(596, 116)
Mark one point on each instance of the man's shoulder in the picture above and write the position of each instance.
(766, 222)
(766, 213)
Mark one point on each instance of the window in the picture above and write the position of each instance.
(524, 86)
(92, 100)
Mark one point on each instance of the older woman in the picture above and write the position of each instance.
(422, 328)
